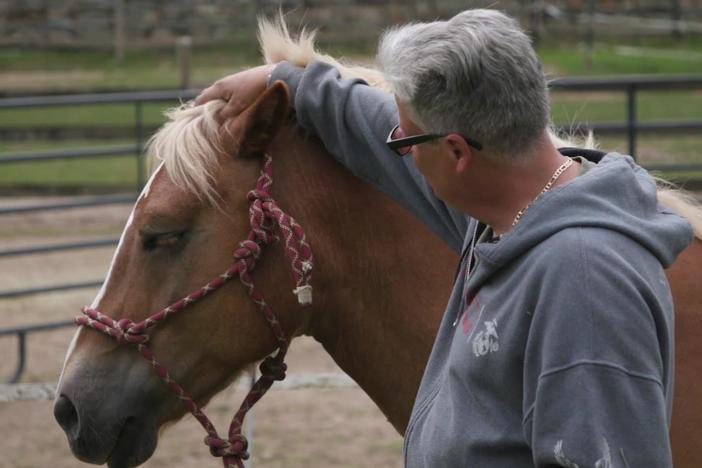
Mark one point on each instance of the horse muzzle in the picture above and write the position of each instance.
(117, 427)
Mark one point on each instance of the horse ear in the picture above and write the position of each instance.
(264, 118)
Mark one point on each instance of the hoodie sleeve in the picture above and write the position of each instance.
(353, 121)
(599, 359)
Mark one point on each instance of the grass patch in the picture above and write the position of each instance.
(612, 106)
(98, 174)
(608, 59)
(109, 173)
(82, 115)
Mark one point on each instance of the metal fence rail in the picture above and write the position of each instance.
(135, 149)
(137, 98)
(128, 97)
(631, 85)
(70, 154)
(15, 293)
(21, 333)
(74, 202)
(58, 247)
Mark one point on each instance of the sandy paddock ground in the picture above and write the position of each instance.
(310, 428)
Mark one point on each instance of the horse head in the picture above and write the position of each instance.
(186, 224)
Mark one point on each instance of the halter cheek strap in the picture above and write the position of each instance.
(268, 224)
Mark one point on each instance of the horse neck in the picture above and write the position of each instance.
(381, 278)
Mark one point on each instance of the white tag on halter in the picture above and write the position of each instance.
(304, 294)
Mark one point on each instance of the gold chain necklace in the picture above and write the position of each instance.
(546, 188)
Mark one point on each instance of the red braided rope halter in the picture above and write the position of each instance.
(268, 223)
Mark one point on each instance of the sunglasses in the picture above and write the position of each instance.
(401, 144)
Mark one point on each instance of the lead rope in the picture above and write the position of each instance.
(268, 224)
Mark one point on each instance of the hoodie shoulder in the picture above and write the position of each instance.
(592, 285)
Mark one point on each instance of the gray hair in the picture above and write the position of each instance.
(475, 74)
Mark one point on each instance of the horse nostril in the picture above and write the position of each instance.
(66, 414)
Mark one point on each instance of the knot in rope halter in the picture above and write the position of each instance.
(236, 446)
(247, 254)
(268, 222)
(129, 332)
(264, 219)
(124, 330)
(259, 194)
(273, 368)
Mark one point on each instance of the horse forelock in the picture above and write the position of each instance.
(277, 44)
(188, 145)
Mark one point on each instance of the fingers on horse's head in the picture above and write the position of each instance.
(254, 129)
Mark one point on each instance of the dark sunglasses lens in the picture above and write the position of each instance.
(403, 150)
(397, 134)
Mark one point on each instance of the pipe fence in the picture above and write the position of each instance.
(630, 85)
(137, 99)
(632, 127)
(21, 333)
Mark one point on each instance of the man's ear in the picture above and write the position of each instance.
(461, 152)
(259, 123)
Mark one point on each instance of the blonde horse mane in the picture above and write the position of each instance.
(277, 44)
(682, 202)
(189, 145)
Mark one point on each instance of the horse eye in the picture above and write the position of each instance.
(163, 241)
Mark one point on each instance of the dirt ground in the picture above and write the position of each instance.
(310, 428)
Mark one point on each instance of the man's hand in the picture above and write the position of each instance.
(240, 90)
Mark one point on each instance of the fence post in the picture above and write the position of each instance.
(249, 422)
(536, 20)
(139, 135)
(631, 119)
(184, 47)
(119, 30)
(590, 36)
(21, 350)
(676, 15)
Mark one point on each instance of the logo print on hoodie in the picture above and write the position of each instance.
(487, 340)
(472, 303)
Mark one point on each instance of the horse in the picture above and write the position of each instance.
(215, 193)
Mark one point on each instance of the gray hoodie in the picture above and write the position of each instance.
(556, 349)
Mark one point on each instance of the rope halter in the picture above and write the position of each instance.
(234, 447)
(268, 224)
(124, 330)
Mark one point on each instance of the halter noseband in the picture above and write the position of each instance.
(268, 223)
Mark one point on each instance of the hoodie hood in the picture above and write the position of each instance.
(616, 194)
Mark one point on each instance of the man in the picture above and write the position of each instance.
(556, 348)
